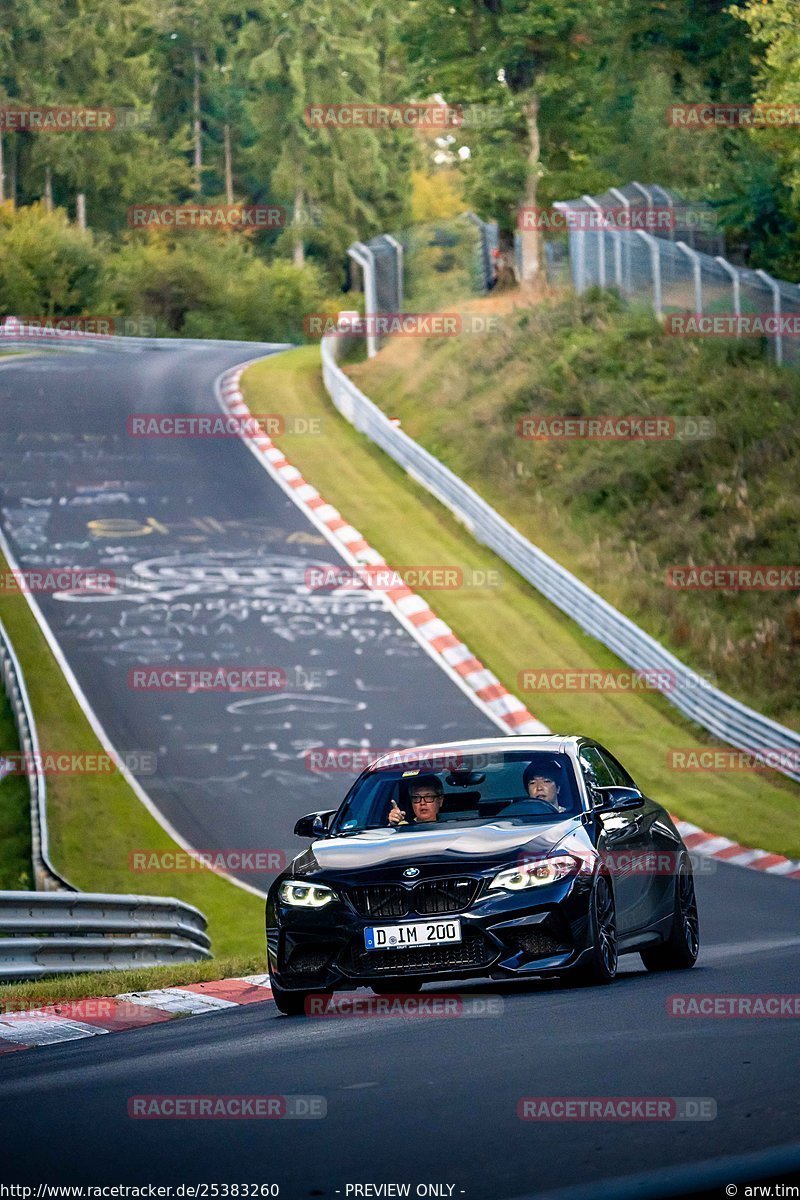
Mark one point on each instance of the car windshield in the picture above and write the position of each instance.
(461, 788)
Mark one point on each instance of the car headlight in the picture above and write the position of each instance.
(306, 895)
(536, 873)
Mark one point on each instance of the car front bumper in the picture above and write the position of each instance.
(504, 934)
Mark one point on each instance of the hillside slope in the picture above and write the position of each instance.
(620, 514)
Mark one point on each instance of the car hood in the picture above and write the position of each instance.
(378, 847)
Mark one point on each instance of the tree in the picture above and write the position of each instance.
(96, 56)
(514, 56)
(775, 28)
(350, 181)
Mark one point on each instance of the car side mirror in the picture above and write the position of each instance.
(314, 824)
(616, 799)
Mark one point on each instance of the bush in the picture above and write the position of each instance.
(207, 286)
(47, 265)
(201, 285)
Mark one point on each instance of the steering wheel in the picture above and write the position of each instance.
(524, 806)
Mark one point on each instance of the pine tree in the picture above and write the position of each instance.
(339, 184)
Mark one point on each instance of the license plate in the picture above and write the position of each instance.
(410, 934)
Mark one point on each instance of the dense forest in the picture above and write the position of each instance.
(211, 100)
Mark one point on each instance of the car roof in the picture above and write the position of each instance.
(553, 743)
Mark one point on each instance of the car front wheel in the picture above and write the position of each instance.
(602, 964)
(681, 948)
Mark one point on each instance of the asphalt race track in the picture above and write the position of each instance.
(409, 1100)
(209, 558)
(435, 1100)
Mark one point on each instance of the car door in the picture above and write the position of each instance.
(620, 841)
(655, 861)
(663, 847)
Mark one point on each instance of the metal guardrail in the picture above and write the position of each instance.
(60, 931)
(45, 876)
(46, 933)
(718, 713)
(14, 333)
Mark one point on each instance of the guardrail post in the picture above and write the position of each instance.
(361, 254)
(626, 204)
(577, 248)
(601, 243)
(694, 259)
(776, 312)
(398, 249)
(655, 265)
(737, 289)
(645, 192)
(670, 205)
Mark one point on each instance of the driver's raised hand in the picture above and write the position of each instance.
(396, 816)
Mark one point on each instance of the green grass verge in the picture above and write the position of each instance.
(511, 626)
(15, 997)
(619, 514)
(96, 821)
(16, 870)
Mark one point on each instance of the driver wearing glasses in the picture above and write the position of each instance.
(426, 795)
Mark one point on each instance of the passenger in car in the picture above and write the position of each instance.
(543, 782)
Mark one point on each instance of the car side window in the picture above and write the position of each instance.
(618, 773)
(595, 770)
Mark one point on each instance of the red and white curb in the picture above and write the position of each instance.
(710, 845)
(69, 1020)
(416, 614)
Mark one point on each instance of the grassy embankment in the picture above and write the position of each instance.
(620, 514)
(16, 871)
(510, 626)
